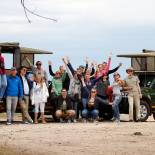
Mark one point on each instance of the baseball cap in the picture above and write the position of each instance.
(13, 68)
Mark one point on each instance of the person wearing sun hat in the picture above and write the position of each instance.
(134, 93)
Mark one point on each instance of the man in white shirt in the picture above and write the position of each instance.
(24, 103)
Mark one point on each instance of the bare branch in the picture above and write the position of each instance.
(22, 2)
(33, 13)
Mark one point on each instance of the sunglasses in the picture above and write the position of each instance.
(130, 70)
(25, 70)
(63, 91)
(38, 64)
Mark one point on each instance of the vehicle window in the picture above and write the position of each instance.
(8, 58)
(153, 84)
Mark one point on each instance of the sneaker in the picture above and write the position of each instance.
(61, 120)
(117, 120)
(8, 123)
(138, 120)
(95, 121)
(69, 121)
(113, 119)
(84, 121)
(74, 121)
(26, 122)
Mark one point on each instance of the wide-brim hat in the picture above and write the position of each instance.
(129, 69)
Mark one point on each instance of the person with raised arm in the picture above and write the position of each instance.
(74, 87)
(91, 111)
(38, 70)
(66, 82)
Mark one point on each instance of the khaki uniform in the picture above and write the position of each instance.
(134, 96)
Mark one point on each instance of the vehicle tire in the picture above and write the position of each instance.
(144, 111)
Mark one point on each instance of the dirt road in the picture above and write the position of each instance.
(104, 138)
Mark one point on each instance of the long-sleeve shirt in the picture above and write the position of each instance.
(42, 72)
(89, 84)
(65, 83)
(14, 86)
(97, 102)
(75, 85)
(2, 67)
(105, 71)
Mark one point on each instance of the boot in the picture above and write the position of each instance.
(36, 118)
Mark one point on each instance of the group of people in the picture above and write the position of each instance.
(87, 87)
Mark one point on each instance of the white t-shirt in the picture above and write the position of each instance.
(26, 86)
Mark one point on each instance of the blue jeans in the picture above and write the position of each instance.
(115, 106)
(90, 114)
(84, 102)
(3, 84)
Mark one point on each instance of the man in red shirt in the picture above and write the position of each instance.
(3, 80)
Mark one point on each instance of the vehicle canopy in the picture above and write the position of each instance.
(143, 64)
(20, 53)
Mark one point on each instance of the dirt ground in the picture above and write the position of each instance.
(103, 138)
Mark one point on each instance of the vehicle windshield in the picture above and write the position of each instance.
(146, 80)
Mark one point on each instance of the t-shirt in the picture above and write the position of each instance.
(25, 85)
(64, 105)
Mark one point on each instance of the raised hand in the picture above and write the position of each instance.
(50, 63)
(110, 55)
(87, 60)
(120, 64)
(65, 60)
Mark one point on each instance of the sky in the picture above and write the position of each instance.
(85, 28)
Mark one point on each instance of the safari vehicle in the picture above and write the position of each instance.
(16, 56)
(144, 66)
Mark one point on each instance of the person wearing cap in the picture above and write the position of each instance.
(14, 91)
(116, 87)
(3, 79)
(134, 93)
(24, 103)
